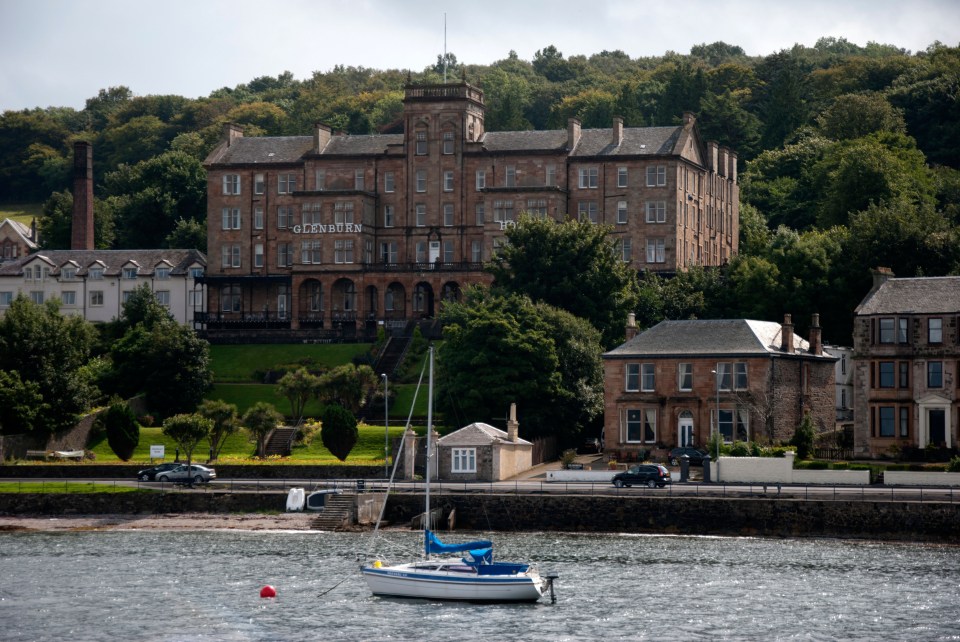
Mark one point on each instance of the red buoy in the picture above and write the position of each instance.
(268, 591)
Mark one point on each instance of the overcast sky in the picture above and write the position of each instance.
(61, 52)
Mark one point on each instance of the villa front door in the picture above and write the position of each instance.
(685, 429)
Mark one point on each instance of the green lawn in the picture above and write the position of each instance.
(245, 395)
(66, 486)
(239, 363)
(239, 448)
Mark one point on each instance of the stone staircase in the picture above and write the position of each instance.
(337, 513)
(391, 356)
(279, 441)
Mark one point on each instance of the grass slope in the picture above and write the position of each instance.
(240, 363)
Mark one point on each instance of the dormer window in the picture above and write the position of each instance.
(68, 273)
(96, 274)
(163, 273)
(130, 273)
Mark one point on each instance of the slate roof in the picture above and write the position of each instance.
(925, 295)
(281, 150)
(20, 229)
(477, 434)
(709, 337)
(112, 261)
(262, 150)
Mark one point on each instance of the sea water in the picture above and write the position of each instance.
(205, 585)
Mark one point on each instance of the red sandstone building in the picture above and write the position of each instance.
(333, 233)
(906, 343)
(674, 384)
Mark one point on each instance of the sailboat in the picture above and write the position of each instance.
(473, 576)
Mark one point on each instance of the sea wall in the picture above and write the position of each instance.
(910, 521)
(768, 517)
(136, 503)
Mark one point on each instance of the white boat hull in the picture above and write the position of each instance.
(406, 580)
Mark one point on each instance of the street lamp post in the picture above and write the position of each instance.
(717, 382)
(386, 428)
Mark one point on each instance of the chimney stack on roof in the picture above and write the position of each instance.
(816, 340)
(880, 276)
(573, 133)
(786, 334)
(232, 131)
(513, 427)
(617, 131)
(631, 328)
(321, 136)
(81, 232)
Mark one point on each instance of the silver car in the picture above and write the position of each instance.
(196, 474)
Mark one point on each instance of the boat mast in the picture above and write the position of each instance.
(426, 516)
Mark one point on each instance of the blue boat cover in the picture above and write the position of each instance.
(475, 549)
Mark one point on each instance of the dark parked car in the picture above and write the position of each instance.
(650, 474)
(591, 445)
(150, 474)
(696, 455)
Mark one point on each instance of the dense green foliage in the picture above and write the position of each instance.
(122, 429)
(44, 358)
(339, 432)
(568, 265)
(503, 349)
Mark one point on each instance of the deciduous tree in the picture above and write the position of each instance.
(260, 419)
(569, 265)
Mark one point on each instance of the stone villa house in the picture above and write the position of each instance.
(673, 384)
(907, 364)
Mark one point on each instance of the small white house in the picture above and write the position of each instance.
(480, 452)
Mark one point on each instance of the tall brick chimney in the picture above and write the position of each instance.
(81, 232)
(786, 334)
(816, 340)
(573, 133)
(631, 327)
(617, 131)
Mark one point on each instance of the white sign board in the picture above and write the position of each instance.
(156, 452)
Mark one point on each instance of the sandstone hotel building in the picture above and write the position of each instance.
(334, 235)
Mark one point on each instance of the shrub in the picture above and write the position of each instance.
(123, 432)
(803, 437)
(817, 465)
(954, 465)
(339, 431)
(307, 432)
(739, 449)
(567, 457)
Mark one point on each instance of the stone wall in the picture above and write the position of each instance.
(905, 521)
(908, 521)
